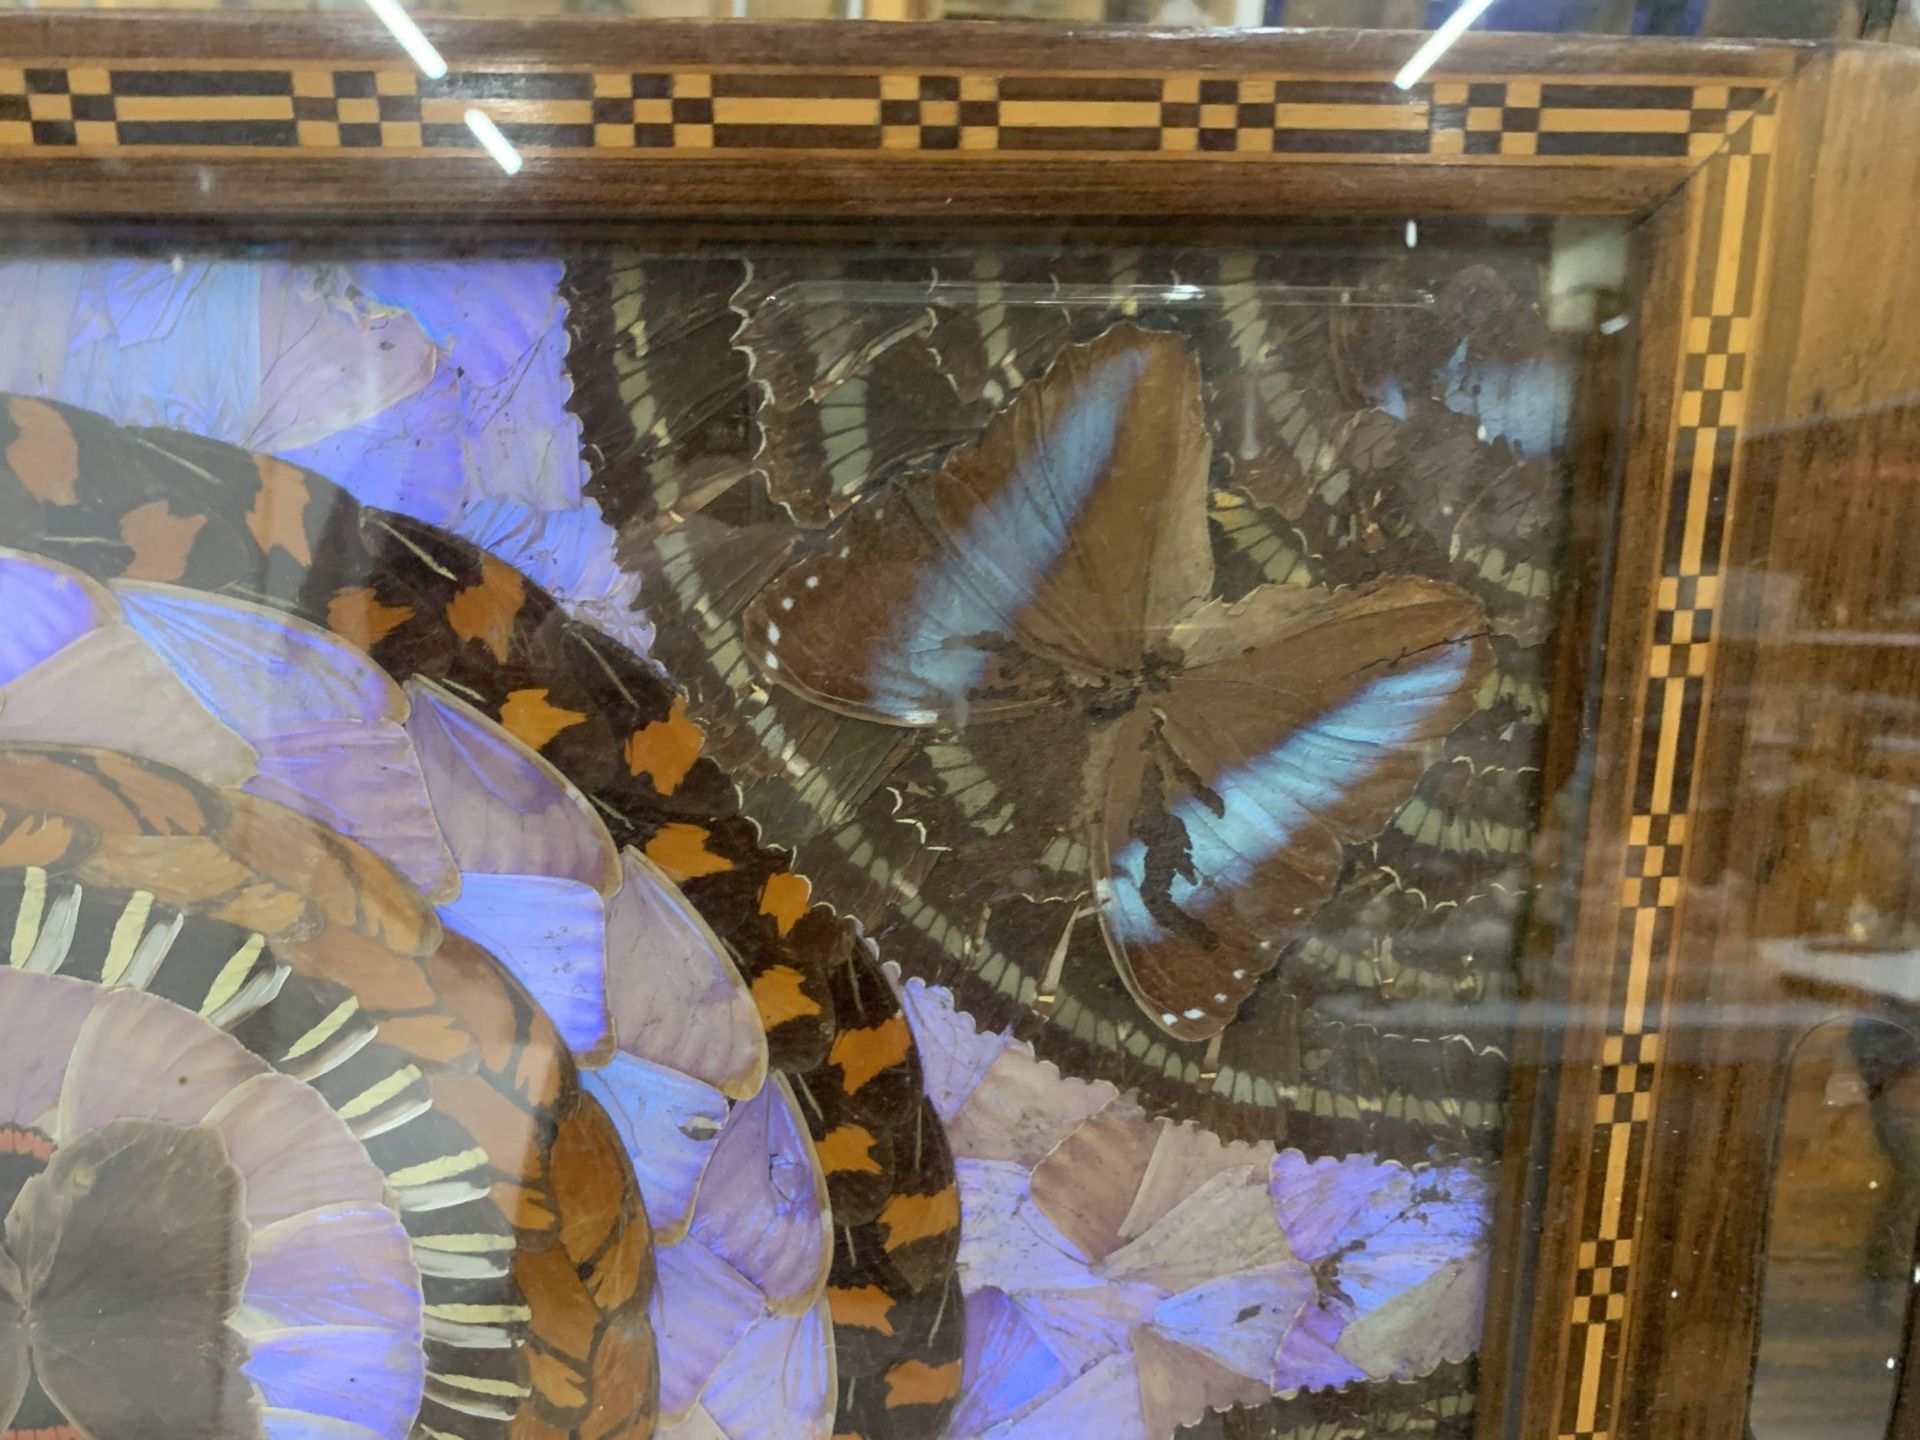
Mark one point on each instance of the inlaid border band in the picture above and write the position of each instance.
(392, 110)
(1674, 695)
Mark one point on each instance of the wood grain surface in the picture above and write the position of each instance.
(581, 40)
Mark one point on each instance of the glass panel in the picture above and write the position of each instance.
(1145, 655)
(1841, 1266)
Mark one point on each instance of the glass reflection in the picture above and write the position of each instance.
(1840, 1263)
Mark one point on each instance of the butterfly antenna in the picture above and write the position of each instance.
(806, 1098)
(1057, 964)
(916, 1152)
(940, 1312)
(977, 943)
(1210, 1062)
(373, 522)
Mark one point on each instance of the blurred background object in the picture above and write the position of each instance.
(1897, 21)
(1840, 1260)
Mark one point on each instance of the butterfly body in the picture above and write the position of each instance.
(1225, 751)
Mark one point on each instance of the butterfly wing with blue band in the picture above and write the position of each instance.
(1062, 561)
(1298, 722)
(962, 849)
(1027, 566)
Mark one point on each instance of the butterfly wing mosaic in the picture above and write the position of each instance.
(778, 846)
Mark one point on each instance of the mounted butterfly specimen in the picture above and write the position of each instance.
(963, 851)
(1220, 755)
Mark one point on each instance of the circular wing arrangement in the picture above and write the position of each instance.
(1004, 962)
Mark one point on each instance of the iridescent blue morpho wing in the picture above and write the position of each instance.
(1047, 553)
(1067, 552)
(1299, 720)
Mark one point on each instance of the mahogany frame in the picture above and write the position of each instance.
(1769, 432)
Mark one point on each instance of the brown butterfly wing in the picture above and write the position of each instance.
(669, 421)
(1301, 720)
(1049, 548)
(848, 637)
(830, 415)
(591, 1343)
(136, 1235)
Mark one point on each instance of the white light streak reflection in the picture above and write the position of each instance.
(419, 49)
(498, 146)
(1441, 41)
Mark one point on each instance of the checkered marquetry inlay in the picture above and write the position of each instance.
(1717, 343)
(1531, 117)
(394, 109)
